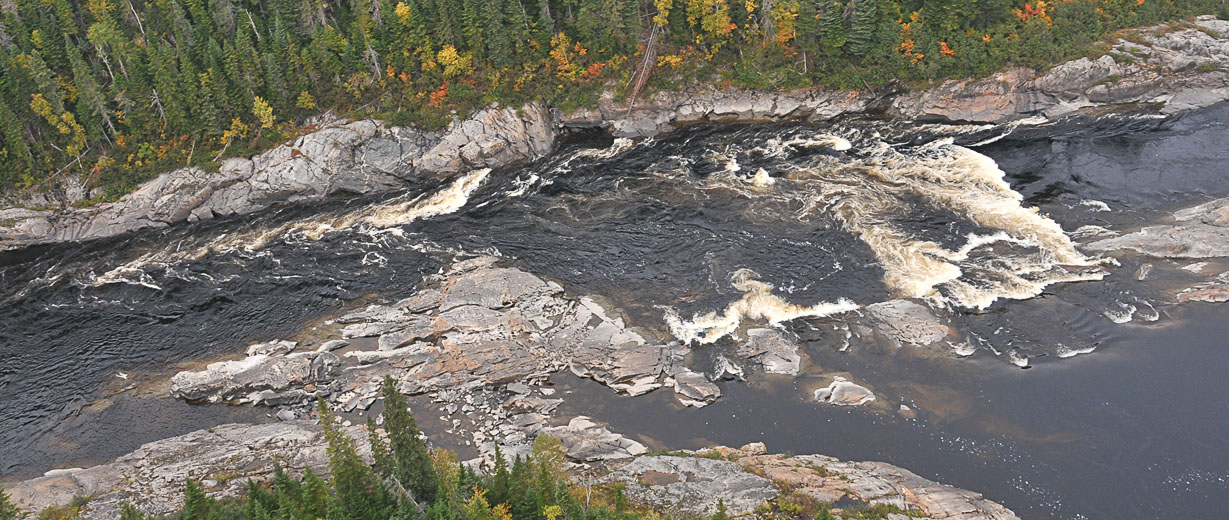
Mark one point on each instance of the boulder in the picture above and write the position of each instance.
(907, 322)
(776, 352)
(842, 392)
(586, 441)
(694, 389)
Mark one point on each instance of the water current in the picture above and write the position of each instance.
(694, 236)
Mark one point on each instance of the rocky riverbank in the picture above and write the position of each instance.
(1174, 69)
(478, 343)
(687, 484)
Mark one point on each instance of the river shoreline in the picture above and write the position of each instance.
(1176, 71)
(503, 381)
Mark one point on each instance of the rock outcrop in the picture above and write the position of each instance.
(479, 339)
(1176, 68)
(340, 157)
(221, 459)
(1199, 232)
(746, 479)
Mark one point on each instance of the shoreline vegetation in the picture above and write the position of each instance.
(118, 91)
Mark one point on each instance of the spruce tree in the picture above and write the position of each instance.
(9, 511)
(410, 462)
(197, 505)
(359, 494)
(865, 26)
(832, 23)
(501, 482)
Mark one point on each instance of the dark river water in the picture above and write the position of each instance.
(1122, 411)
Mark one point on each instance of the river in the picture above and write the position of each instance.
(1077, 391)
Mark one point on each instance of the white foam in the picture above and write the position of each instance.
(1096, 205)
(757, 303)
(1065, 352)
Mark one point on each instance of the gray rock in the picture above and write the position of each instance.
(727, 370)
(773, 350)
(271, 348)
(152, 477)
(692, 486)
(332, 345)
(341, 157)
(694, 389)
(1200, 232)
(235, 380)
(586, 441)
(842, 392)
(906, 321)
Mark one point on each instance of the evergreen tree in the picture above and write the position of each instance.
(501, 481)
(409, 463)
(359, 494)
(8, 511)
(832, 25)
(865, 27)
(197, 506)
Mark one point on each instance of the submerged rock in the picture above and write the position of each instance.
(1215, 290)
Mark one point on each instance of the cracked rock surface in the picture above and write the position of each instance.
(479, 339)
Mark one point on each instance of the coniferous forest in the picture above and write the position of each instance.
(117, 91)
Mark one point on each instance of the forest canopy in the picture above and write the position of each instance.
(117, 91)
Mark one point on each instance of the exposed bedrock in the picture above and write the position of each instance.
(1198, 233)
(1169, 68)
(340, 157)
(480, 339)
(690, 484)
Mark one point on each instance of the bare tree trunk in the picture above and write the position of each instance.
(766, 21)
(155, 101)
(646, 66)
(253, 24)
(137, 18)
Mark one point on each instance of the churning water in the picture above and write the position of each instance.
(693, 236)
